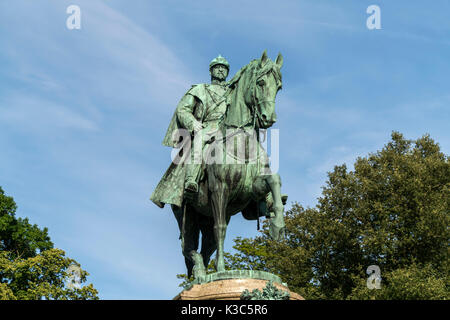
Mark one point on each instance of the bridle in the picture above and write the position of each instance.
(255, 102)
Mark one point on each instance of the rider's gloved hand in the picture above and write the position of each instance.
(197, 125)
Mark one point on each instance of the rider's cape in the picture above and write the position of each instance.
(170, 189)
(198, 91)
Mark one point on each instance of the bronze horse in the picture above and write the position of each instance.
(237, 174)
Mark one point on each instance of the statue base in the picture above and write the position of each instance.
(229, 285)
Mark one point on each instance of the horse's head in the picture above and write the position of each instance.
(267, 83)
(251, 99)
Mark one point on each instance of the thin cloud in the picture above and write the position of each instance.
(33, 115)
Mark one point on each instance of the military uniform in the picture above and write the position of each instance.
(205, 103)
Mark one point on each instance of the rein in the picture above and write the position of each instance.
(256, 115)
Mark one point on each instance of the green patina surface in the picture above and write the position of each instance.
(205, 194)
(238, 274)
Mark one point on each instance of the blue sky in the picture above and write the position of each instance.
(83, 112)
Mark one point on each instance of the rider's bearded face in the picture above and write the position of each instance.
(219, 72)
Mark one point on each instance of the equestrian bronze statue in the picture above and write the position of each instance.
(220, 167)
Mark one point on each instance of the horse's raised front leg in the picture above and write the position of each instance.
(277, 226)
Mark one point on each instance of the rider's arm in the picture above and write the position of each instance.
(185, 112)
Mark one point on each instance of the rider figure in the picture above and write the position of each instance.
(200, 111)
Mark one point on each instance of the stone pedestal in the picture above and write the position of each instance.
(229, 285)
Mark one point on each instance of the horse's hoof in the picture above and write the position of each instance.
(199, 272)
(199, 269)
(277, 233)
(220, 266)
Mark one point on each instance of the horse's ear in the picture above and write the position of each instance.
(263, 59)
(279, 61)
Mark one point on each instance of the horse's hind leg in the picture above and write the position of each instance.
(208, 239)
(219, 198)
(178, 213)
(190, 233)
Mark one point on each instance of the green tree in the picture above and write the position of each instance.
(30, 268)
(412, 282)
(392, 211)
(17, 235)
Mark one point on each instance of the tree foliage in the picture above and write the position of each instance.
(392, 211)
(30, 268)
(17, 235)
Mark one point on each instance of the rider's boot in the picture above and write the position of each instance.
(191, 186)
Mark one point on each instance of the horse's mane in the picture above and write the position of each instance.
(240, 89)
(238, 114)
